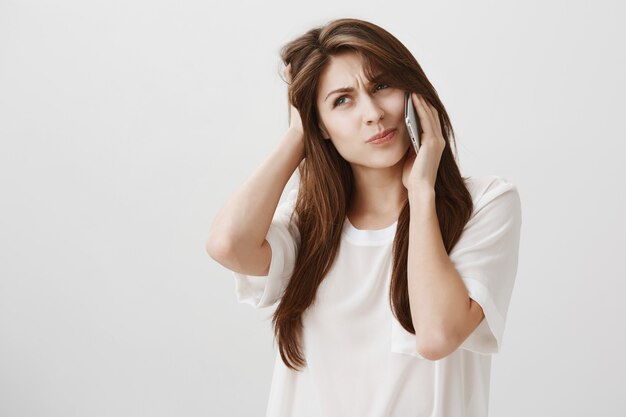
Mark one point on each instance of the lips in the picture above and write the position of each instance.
(380, 135)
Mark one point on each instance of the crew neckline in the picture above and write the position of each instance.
(369, 235)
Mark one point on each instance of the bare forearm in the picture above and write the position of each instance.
(437, 295)
(247, 215)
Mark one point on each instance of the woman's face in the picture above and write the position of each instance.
(350, 118)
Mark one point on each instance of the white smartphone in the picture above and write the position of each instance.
(412, 121)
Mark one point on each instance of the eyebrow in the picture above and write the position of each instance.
(351, 89)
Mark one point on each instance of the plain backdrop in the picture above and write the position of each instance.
(126, 125)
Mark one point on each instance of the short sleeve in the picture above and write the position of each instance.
(283, 238)
(486, 257)
(403, 341)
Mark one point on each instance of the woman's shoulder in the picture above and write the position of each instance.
(485, 188)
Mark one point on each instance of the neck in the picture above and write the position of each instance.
(378, 193)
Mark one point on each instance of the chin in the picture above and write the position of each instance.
(387, 159)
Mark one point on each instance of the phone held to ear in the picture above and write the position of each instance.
(412, 121)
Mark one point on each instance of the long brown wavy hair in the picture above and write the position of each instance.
(326, 179)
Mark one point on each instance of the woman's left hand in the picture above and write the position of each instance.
(420, 171)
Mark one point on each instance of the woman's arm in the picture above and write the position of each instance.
(442, 312)
(237, 236)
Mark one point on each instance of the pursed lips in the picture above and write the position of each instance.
(380, 135)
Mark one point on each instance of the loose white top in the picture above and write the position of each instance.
(360, 360)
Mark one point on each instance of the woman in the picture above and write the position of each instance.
(392, 272)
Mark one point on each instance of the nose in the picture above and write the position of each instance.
(372, 112)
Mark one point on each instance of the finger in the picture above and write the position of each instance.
(422, 100)
(439, 133)
(429, 106)
(424, 115)
(435, 115)
(432, 113)
(287, 72)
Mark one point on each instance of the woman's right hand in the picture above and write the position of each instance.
(295, 122)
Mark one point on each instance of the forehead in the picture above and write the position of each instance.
(344, 63)
(341, 71)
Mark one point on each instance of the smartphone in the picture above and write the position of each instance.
(412, 121)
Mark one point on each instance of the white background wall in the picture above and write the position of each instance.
(125, 125)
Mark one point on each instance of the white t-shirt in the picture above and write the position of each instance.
(360, 360)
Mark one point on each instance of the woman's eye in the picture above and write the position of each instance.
(336, 103)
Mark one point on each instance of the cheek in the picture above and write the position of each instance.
(342, 128)
(397, 105)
